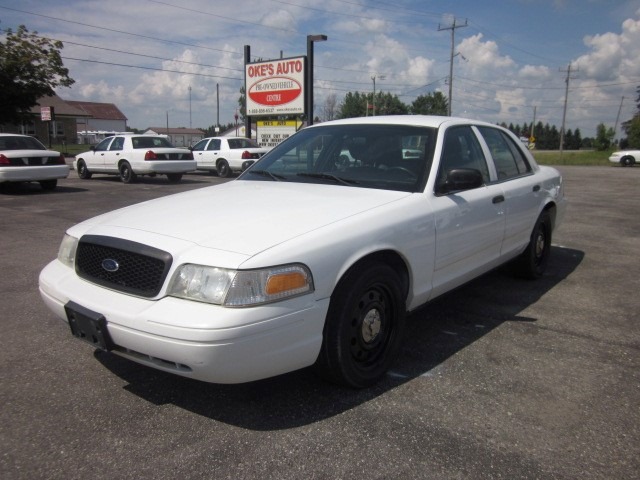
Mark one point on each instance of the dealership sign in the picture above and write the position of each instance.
(275, 87)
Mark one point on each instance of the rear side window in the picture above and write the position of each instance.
(509, 160)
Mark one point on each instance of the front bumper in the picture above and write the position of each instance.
(197, 340)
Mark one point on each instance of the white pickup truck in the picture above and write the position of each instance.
(225, 155)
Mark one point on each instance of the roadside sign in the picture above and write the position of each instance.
(272, 132)
(46, 114)
(275, 87)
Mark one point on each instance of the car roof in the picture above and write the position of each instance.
(433, 121)
(13, 135)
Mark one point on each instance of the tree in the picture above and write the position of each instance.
(30, 68)
(632, 127)
(353, 105)
(604, 136)
(330, 108)
(432, 104)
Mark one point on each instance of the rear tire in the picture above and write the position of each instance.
(223, 169)
(126, 173)
(364, 326)
(49, 184)
(532, 263)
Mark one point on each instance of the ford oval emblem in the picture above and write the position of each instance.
(110, 265)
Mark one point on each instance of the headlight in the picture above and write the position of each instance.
(240, 288)
(67, 250)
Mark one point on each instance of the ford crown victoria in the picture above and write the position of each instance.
(317, 255)
(226, 155)
(131, 155)
(25, 159)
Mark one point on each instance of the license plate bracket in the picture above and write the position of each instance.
(88, 326)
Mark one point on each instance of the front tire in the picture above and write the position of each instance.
(126, 173)
(627, 161)
(532, 263)
(83, 171)
(364, 326)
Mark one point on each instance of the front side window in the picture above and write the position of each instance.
(461, 149)
(507, 157)
(391, 157)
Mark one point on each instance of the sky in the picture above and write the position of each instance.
(163, 60)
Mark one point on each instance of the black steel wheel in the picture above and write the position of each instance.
(364, 326)
(532, 263)
(627, 161)
(126, 173)
(223, 168)
(83, 171)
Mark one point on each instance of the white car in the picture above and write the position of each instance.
(313, 260)
(225, 155)
(25, 159)
(626, 158)
(130, 155)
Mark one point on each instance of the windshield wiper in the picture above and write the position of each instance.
(266, 173)
(328, 176)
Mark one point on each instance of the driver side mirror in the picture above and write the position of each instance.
(460, 179)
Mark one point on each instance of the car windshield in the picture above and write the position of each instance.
(20, 143)
(150, 142)
(391, 157)
(242, 143)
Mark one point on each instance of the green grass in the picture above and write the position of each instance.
(572, 157)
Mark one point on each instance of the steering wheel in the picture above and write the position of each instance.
(403, 170)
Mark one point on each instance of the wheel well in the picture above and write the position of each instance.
(389, 257)
(551, 208)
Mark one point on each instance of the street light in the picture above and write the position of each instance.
(310, 40)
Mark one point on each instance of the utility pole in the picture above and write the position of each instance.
(615, 129)
(564, 113)
(453, 31)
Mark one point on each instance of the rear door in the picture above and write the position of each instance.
(470, 223)
(521, 190)
(95, 160)
(114, 154)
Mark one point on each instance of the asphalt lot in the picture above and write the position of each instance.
(503, 378)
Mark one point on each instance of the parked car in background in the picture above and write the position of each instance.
(25, 159)
(225, 155)
(626, 158)
(131, 155)
(311, 256)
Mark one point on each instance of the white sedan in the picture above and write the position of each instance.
(225, 155)
(313, 260)
(25, 159)
(129, 156)
(626, 158)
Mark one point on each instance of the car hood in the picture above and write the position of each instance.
(244, 217)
